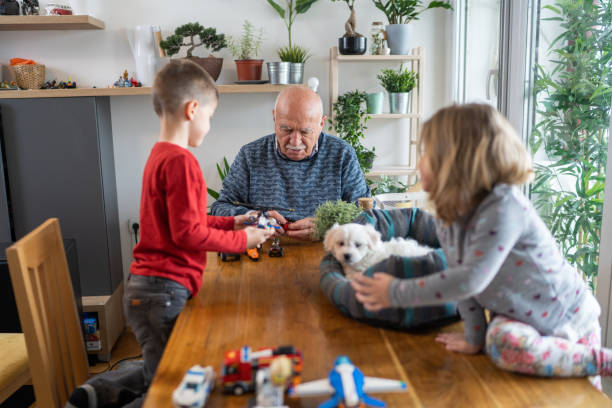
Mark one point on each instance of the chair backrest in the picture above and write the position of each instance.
(48, 315)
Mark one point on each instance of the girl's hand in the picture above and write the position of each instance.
(373, 292)
(456, 342)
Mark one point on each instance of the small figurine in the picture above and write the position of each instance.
(195, 387)
(271, 382)
(30, 8)
(240, 367)
(8, 85)
(125, 82)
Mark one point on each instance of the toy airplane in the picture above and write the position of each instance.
(348, 386)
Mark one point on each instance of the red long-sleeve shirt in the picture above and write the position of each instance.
(175, 231)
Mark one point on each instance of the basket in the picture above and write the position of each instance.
(30, 76)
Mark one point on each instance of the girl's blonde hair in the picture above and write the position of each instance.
(470, 148)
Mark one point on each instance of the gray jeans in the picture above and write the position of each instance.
(151, 306)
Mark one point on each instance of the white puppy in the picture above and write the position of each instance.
(357, 247)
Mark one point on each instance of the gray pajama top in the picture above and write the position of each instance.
(502, 258)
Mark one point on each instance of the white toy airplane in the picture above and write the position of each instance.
(348, 386)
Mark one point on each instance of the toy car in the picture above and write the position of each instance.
(275, 251)
(195, 387)
(227, 257)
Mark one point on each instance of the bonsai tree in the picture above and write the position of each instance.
(351, 23)
(331, 212)
(399, 81)
(349, 122)
(185, 36)
(404, 11)
(249, 44)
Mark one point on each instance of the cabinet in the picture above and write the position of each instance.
(413, 61)
(58, 162)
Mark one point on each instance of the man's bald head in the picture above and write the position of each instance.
(298, 121)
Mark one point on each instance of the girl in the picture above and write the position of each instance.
(500, 255)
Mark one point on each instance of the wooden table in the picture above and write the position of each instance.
(277, 301)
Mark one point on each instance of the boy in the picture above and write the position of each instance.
(175, 231)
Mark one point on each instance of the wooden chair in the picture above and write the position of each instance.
(14, 368)
(48, 315)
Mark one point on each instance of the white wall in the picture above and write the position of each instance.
(98, 57)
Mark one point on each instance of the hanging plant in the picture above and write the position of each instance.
(573, 107)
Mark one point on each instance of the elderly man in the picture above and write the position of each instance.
(298, 167)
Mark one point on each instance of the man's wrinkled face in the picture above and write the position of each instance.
(297, 131)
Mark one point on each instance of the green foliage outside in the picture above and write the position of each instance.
(386, 184)
(249, 44)
(331, 212)
(573, 108)
(349, 123)
(223, 172)
(185, 36)
(398, 81)
(404, 11)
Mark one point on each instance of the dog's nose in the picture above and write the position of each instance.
(347, 257)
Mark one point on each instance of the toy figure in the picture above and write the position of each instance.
(275, 251)
(30, 8)
(123, 81)
(271, 382)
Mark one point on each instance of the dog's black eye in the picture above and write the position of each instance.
(341, 243)
(357, 244)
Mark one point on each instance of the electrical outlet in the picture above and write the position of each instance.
(134, 232)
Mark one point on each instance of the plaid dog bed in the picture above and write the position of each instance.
(404, 222)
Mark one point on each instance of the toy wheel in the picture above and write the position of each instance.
(238, 390)
(223, 256)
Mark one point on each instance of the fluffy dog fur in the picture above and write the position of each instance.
(357, 247)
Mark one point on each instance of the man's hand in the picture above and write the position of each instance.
(373, 292)
(302, 229)
(456, 342)
(256, 236)
(240, 221)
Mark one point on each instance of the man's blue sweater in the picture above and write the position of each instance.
(260, 175)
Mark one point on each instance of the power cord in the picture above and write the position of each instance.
(135, 228)
(122, 360)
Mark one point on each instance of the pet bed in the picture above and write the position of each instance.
(405, 222)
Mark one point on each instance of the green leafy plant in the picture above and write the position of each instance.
(386, 184)
(185, 36)
(398, 81)
(404, 11)
(294, 7)
(349, 123)
(573, 107)
(295, 54)
(351, 24)
(223, 172)
(331, 212)
(249, 44)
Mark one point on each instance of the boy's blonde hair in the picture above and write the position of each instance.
(470, 148)
(179, 81)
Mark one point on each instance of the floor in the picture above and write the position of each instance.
(126, 348)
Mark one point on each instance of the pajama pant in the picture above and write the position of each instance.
(518, 347)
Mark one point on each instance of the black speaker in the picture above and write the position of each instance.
(9, 319)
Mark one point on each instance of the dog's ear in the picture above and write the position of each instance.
(373, 235)
(328, 241)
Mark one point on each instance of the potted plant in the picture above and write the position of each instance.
(244, 49)
(291, 68)
(185, 36)
(351, 43)
(399, 84)
(400, 13)
(331, 212)
(349, 122)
